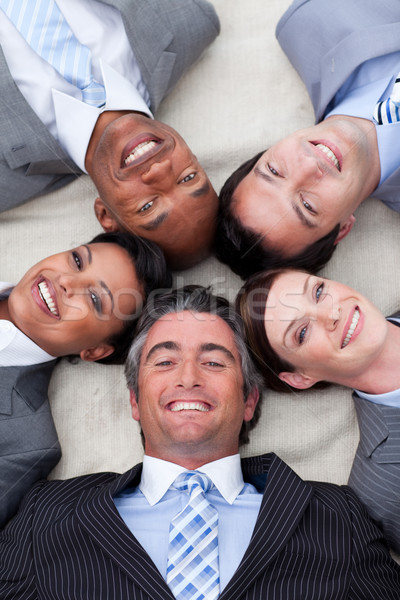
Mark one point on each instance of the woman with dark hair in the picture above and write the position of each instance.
(83, 302)
(305, 330)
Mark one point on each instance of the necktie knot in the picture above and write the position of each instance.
(388, 111)
(189, 480)
(45, 29)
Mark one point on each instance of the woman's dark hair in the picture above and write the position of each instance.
(250, 303)
(152, 274)
(247, 252)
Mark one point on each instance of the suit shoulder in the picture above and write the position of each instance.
(339, 498)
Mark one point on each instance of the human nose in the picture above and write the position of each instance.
(159, 173)
(307, 168)
(188, 375)
(71, 284)
(330, 315)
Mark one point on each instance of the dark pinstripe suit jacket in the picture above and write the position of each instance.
(311, 541)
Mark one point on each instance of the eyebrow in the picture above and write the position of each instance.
(201, 191)
(292, 323)
(208, 347)
(151, 225)
(161, 346)
(108, 292)
(89, 252)
(266, 177)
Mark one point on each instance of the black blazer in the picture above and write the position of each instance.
(311, 541)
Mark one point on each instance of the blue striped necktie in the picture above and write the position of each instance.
(45, 29)
(388, 111)
(193, 565)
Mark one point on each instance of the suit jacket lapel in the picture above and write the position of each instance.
(286, 497)
(155, 63)
(379, 431)
(31, 382)
(99, 516)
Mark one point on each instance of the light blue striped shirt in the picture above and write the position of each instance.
(148, 510)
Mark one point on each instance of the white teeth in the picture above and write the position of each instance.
(139, 151)
(45, 294)
(178, 406)
(352, 327)
(329, 154)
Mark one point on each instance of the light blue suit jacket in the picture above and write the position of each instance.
(327, 40)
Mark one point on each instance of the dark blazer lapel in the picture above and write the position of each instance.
(31, 382)
(98, 515)
(286, 497)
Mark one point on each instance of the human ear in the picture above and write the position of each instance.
(105, 216)
(345, 228)
(297, 380)
(250, 404)
(134, 405)
(97, 352)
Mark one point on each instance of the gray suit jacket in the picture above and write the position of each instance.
(29, 446)
(167, 36)
(326, 41)
(375, 475)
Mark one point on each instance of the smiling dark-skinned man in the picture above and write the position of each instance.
(149, 181)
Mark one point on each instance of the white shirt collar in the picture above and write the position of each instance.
(158, 475)
(16, 349)
(76, 120)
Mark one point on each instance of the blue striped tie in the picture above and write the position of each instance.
(388, 111)
(193, 566)
(43, 26)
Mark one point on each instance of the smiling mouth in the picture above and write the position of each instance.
(48, 299)
(330, 154)
(139, 151)
(179, 406)
(350, 331)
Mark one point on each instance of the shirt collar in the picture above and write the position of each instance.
(76, 120)
(158, 475)
(17, 349)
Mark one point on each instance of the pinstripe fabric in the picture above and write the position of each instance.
(375, 474)
(311, 541)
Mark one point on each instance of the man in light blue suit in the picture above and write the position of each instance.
(294, 202)
(149, 181)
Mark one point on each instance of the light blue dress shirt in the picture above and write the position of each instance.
(371, 82)
(148, 510)
(388, 399)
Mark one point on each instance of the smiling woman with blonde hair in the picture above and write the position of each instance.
(304, 331)
(85, 302)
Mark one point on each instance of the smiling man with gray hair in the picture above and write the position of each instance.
(194, 520)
